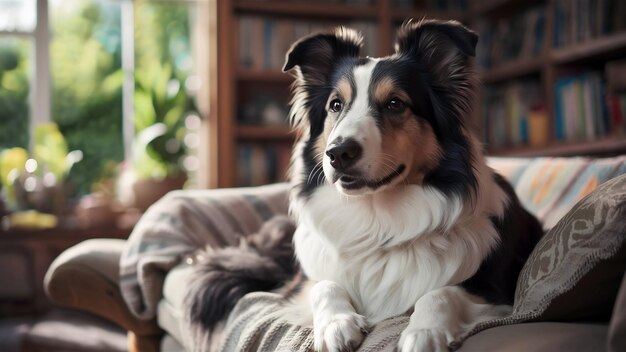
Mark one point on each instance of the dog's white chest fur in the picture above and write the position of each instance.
(390, 248)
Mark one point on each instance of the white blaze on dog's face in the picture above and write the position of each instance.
(372, 138)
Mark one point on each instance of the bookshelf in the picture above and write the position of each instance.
(511, 70)
(242, 75)
(576, 47)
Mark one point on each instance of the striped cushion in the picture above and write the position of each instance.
(549, 187)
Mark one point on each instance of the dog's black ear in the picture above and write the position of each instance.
(425, 36)
(316, 54)
(443, 49)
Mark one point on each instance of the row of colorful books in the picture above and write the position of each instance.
(513, 113)
(263, 41)
(262, 163)
(579, 107)
(580, 20)
(510, 39)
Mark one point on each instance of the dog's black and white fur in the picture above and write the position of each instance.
(396, 209)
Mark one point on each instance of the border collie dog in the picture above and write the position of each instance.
(396, 209)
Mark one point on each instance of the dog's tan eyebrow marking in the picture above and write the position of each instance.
(344, 90)
(385, 89)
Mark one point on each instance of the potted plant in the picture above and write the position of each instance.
(158, 149)
(39, 182)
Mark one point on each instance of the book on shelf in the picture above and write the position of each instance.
(616, 94)
(617, 112)
(515, 38)
(583, 110)
(264, 41)
(262, 163)
(507, 110)
(263, 109)
(538, 126)
(616, 76)
(577, 21)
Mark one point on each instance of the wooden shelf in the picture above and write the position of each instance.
(514, 69)
(603, 146)
(484, 7)
(590, 48)
(405, 14)
(264, 76)
(306, 9)
(264, 133)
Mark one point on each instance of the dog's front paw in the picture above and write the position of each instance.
(424, 340)
(341, 332)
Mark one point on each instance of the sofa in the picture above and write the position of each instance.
(571, 295)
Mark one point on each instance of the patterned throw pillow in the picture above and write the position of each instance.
(575, 270)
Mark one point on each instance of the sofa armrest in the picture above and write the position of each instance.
(86, 277)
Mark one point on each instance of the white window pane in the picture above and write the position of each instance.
(18, 15)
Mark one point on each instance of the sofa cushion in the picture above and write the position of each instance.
(168, 343)
(549, 187)
(170, 308)
(539, 337)
(170, 312)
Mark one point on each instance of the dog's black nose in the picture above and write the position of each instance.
(344, 154)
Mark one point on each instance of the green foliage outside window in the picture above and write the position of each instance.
(163, 64)
(86, 78)
(85, 57)
(14, 93)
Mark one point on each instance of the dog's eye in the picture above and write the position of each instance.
(395, 105)
(336, 105)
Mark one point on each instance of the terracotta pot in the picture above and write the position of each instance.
(148, 191)
(94, 210)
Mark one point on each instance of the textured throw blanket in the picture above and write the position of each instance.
(183, 222)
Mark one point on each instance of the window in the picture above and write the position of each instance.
(104, 71)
